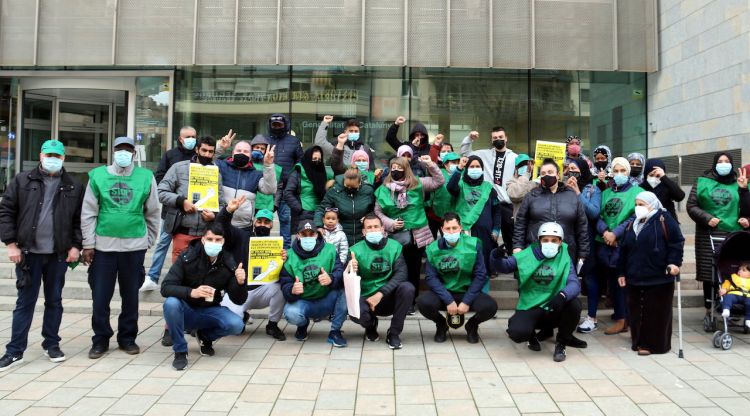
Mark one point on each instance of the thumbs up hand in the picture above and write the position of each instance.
(239, 273)
(297, 288)
(354, 264)
(324, 278)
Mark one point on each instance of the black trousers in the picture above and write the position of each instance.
(397, 303)
(430, 305)
(413, 258)
(506, 226)
(523, 324)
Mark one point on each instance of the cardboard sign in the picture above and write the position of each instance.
(548, 150)
(203, 187)
(264, 260)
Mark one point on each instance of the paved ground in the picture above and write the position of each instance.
(253, 375)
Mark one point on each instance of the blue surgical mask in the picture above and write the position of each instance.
(308, 243)
(374, 237)
(620, 179)
(724, 168)
(362, 166)
(51, 164)
(550, 250)
(452, 238)
(475, 173)
(123, 158)
(452, 168)
(442, 155)
(212, 249)
(353, 137)
(188, 143)
(523, 170)
(256, 155)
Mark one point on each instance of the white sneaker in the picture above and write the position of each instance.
(747, 323)
(149, 285)
(725, 313)
(588, 325)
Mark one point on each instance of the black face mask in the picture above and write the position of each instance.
(240, 160)
(600, 165)
(205, 160)
(548, 181)
(262, 231)
(317, 162)
(397, 175)
(636, 171)
(498, 144)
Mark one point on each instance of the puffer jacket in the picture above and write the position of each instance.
(417, 151)
(351, 208)
(288, 150)
(173, 190)
(338, 239)
(246, 181)
(563, 207)
(170, 157)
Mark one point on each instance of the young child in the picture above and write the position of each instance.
(334, 234)
(736, 289)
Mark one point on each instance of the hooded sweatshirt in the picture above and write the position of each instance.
(423, 148)
(288, 148)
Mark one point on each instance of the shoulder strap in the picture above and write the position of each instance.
(664, 227)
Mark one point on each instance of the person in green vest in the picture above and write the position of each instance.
(717, 201)
(455, 275)
(477, 203)
(548, 290)
(119, 221)
(306, 185)
(384, 287)
(441, 201)
(361, 161)
(616, 213)
(312, 281)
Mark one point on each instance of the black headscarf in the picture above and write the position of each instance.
(316, 174)
(467, 178)
(586, 176)
(732, 177)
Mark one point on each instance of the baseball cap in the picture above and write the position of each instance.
(522, 158)
(306, 225)
(53, 146)
(124, 140)
(264, 213)
(450, 156)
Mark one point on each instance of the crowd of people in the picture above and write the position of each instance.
(604, 225)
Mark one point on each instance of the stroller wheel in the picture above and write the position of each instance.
(717, 339)
(726, 342)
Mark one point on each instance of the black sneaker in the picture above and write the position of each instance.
(412, 310)
(559, 355)
(372, 332)
(97, 350)
(180, 361)
(245, 317)
(393, 341)
(441, 333)
(534, 344)
(130, 349)
(472, 331)
(207, 346)
(55, 354)
(301, 333)
(166, 338)
(272, 329)
(9, 361)
(576, 343)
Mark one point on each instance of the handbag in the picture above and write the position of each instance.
(172, 221)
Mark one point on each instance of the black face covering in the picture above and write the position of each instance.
(397, 175)
(240, 160)
(262, 231)
(635, 171)
(498, 144)
(205, 160)
(600, 165)
(317, 162)
(548, 181)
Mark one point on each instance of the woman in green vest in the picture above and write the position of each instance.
(548, 290)
(476, 203)
(441, 201)
(717, 201)
(399, 203)
(306, 185)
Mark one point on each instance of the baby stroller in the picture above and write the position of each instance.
(725, 262)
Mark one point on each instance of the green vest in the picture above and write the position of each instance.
(375, 266)
(441, 200)
(455, 266)
(308, 270)
(413, 214)
(471, 201)
(307, 196)
(721, 201)
(265, 201)
(369, 177)
(540, 280)
(617, 207)
(121, 200)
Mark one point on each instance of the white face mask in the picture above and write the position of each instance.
(653, 181)
(641, 212)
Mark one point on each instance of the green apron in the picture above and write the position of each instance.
(617, 207)
(413, 214)
(375, 266)
(540, 280)
(471, 201)
(307, 196)
(266, 201)
(308, 270)
(441, 200)
(455, 266)
(721, 201)
(121, 200)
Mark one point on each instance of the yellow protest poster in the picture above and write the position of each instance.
(548, 150)
(265, 260)
(203, 186)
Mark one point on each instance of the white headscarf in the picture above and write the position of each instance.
(653, 203)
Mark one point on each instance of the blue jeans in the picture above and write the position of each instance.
(726, 303)
(285, 224)
(300, 312)
(160, 254)
(50, 269)
(214, 322)
(108, 268)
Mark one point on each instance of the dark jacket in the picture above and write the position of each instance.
(417, 151)
(490, 217)
(287, 281)
(194, 269)
(668, 192)
(501, 264)
(435, 283)
(22, 202)
(288, 150)
(291, 196)
(351, 208)
(169, 158)
(563, 207)
(644, 259)
(400, 273)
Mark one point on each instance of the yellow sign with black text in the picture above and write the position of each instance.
(203, 187)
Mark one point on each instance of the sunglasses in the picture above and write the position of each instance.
(332, 209)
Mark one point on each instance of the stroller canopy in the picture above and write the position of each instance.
(734, 250)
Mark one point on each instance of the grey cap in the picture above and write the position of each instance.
(124, 140)
(259, 139)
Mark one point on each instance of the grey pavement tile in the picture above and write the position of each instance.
(132, 404)
(63, 397)
(492, 397)
(455, 390)
(375, 405)
(620, 406)
(414, 395)
(215, 401)
(704, 411)
(160, 409)
(299, 391)
(196, 377)
(112, 388)
(293, 408)
(260, 393)
(228, 383)
(152, 385)
(306, 374)
(415, 409)
(376, 386)
(579, 409)
(14, 407)
(734, 406)
(412, 377)
(528, 384)
(534, 403)
(90, 406)
(42, 411)
(498, 411)
(181, 395)
(339, 382)
(662, 409)
(336, 400)
(454, 407)
(247, 408)
(35, 390)
(570, 392)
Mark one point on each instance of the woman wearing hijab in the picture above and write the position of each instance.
(716, 202)
(650, 258)
(667, 190)
(399, 203)
(573, 150)
(602, 167)
(477, 203)
(306, 185)
(407, 153)
(636, 160)
(360, 160)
